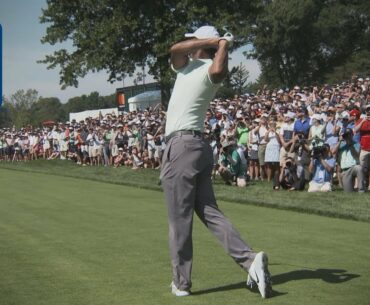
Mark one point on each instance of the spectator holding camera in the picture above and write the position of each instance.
(363, 127)
(348, 156)
(291, 176)
(230, 165)
(261, 131)
(321, 167)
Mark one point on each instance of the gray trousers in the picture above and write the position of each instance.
(348, 178)
(186, 179)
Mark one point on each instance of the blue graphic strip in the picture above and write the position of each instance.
(1, 65)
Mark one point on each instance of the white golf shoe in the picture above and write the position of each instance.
(260, 275)
(177, 292)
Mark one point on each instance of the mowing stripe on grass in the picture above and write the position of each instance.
(334, 204)
(73, 241)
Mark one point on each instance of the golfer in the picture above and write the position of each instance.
(201, 64)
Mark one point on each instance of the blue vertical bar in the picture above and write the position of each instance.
(1, 65)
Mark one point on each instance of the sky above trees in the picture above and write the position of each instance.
(22, 48)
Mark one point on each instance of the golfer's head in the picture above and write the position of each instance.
(204, 32)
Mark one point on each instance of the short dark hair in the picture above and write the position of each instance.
(211, 52)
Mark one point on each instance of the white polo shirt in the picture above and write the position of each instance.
(191, 95)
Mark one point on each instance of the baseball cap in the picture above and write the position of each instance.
(290, 115)
(345, 115)
(206, 31)
(354, 112)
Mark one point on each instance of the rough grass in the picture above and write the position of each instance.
(335, 204)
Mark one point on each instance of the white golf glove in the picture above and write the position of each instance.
(229, 37)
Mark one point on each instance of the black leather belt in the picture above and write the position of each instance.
(182, 133)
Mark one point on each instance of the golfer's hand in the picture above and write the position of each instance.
(229, 38)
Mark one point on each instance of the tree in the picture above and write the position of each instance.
(49, 108)
(20, 104)
(5, 117)
(301, 41)
(119, 36)
(239, 77)
(88, 102)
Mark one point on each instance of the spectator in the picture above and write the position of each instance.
(363, 127)
(254, 168)
(286, 138)
(272, 154)
(136, 159)
(291, 176)
(317, 131)
(261, 131)
(231, 168)
(120, 158)
(302, 124)
(321, 167)
(348, 156)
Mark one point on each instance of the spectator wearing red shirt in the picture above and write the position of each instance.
(363, 126)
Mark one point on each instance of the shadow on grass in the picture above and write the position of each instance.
(240, 285)
(332, 276)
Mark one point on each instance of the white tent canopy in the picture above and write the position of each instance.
(144, 100)
(80, 116)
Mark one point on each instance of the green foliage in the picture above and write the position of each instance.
(358, 64)
(89, 102)
(44, 109)
(119, 36)
(225, 92)
(238, 78)
(5, 113)
(302, 41)
(26, 107)
(18, 107)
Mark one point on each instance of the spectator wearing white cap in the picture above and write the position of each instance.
(93, 144)
(316, 134)
(286, 137)
(348, 159)
(254, 168)
(261, 131)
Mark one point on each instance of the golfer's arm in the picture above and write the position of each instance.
(219, 68)
(181, 50)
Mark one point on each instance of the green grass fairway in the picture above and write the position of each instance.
(67, 241)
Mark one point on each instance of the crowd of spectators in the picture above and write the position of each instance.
(291, 137)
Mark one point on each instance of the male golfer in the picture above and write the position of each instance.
(201, 65)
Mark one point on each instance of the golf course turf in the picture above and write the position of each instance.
(72, 241)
